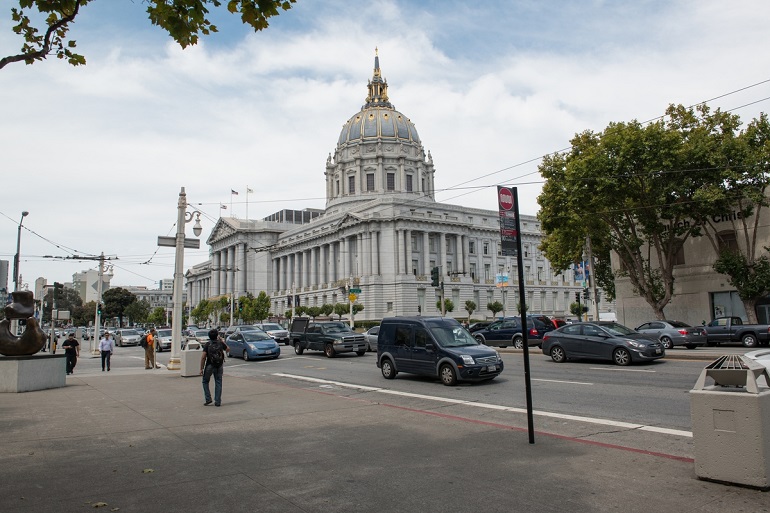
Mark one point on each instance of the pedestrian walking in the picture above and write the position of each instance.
(106, 346)
(71, 351)
(149, 351)
(212, 364)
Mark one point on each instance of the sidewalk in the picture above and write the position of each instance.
(142, 441)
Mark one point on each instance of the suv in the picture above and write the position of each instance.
(507, 332)
(434, 346)
(278, 334)
(331, 337)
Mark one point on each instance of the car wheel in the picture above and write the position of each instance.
(667, 344)
(388, 371)
(329, 351)
(621, 356)
(480, 340)
(447, 374)
(558, 355)
(518, 342)
(749, 340)
(245, 356)
(690, 346)
(298, 349)
(361, 353)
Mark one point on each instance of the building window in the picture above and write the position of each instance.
(526, 251)
(337, 188)
(389, 306)
(370, 182)
(727, 241)
(408, 183)
(351, 185)
(414, 243)
(679, 256)
(431, 244)
(473, 270)
(486, 248)
(487, 270)
(472, 247)
(391, 184)
(415, 266)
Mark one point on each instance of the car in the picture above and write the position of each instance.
(163, 340)
(601, 340)
(279, 334)
(476, 326)
(371, 338)
(252, 345)
(438, 347)
(237, 329)
(675, 333)
(762, 357)
(507, 332)
(127, 337)
(200, 336)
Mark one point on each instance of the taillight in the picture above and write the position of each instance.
(546, 337)
(682, 332)
(533, 332)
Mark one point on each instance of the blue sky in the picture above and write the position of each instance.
(98, 153)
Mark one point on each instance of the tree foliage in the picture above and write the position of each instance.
(640, 191)
(68, 299)
(470, 307)
(137, 311)
(116, 300)
(494, 307)
(157, 317)
(44, 24)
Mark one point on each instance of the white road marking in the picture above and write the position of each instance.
(578, 418)
(559, 381)
(622, 369)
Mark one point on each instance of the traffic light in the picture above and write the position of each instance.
(57, 289)
(434, 277)
(577, 297)
(586, 294)
(99, 308)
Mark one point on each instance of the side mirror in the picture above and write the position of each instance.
(430, 347)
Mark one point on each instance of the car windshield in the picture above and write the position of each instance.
(128, 332)
(248, 328)
(618, 329)
(337, 327)
(164, 333)
(255, 336)
(202, 334)
(271, 327)
(449, 335)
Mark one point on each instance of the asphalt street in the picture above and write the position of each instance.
(288, 440)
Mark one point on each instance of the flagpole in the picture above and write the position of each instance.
(247, 202)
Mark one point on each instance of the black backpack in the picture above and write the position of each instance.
(143, 341)
(215, 353)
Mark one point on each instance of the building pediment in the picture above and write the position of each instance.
(222, 230)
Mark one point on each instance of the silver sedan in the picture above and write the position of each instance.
(674, 333)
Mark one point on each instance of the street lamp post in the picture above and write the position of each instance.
(183, 217)
(16, 257)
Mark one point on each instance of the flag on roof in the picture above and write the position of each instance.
(233, 192)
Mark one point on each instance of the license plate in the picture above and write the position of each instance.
(492, 368)
(657, 351)
(269, 351)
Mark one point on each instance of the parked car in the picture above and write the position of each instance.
(127, 337)
(476, 326)
(507, 332)
(200, 336)
(163, 340)
(331, 337)
(252, 345)
(601, 340)
(724, 330)
(434, 346)
(279, 334)
(371, 338)
(674, 333)
(237, 329)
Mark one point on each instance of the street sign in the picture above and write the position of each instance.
(170, 242)
(352, 296)
(355, 291)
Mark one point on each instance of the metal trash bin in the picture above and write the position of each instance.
(191, 359)
(731, 423)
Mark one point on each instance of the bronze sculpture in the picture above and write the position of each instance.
(33, 338)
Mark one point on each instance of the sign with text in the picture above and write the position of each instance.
(508, 209)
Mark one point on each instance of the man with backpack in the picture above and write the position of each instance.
(149, 349)
(212, 363)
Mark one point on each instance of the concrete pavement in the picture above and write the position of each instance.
(135, 440)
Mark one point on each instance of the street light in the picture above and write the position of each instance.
(183, 217)
(16, 257)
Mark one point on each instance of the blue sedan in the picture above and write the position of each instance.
(252, 345)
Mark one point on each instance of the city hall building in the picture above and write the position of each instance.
(382, 232)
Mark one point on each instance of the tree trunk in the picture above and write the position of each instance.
(751, 310)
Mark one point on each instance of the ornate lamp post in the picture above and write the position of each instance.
(183, 217)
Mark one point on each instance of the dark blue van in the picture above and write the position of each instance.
(434, 346)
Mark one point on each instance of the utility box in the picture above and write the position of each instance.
(191, 359)
(731, 423)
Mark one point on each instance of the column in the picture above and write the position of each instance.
(345, 257)
(296, 278)
(216, 259)
(314, 266)
(359, 260)
(408, 242)
(376, 253)
(426, 253)
(238, 269)
(399, 241)
(442, 250)
(493, 250)
(244, 267)
(232, 264)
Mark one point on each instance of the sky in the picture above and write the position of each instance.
(97, 154)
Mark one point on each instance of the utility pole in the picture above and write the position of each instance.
(592, 277)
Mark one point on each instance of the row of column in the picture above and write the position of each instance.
(228, 271)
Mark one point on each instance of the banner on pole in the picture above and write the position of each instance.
(509, 236)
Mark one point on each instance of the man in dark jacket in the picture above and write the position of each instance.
(72, 351)
(212, 363)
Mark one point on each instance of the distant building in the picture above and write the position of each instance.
(86, 282)
(167, 284)
(4, 278)
(381, 232)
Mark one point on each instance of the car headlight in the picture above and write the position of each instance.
(467, 359)
(253, 346)
(634, 343)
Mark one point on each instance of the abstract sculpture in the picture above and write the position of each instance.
(33, 338)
